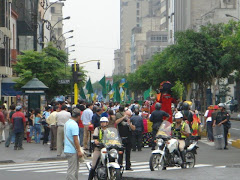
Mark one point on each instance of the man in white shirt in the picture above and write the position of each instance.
(52, 120)
(62, 117)
(86, 120)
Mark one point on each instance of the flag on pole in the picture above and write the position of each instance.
(125, 85)
(89, 86)
(103, 84)
(117, 97)
(122, 93)
(111, 94)
(109, 87)
(147, 93)
(82, 94)
(122, 82)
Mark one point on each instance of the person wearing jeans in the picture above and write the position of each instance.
(37, 125)
(19, 123)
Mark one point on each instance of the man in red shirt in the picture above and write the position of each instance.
(2, 123)
(19, 124)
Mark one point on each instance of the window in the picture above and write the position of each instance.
(138, 25)
(171, 35)
(52, 9)
(138, 5)
(159, 38)
(138, 12)
(138, 19)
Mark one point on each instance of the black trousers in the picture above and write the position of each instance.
(137, 140)
(18, 139)
(154, 132)
(127, 150)
(225, 135)
(46, 134)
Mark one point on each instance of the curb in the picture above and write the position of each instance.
(52, 159)
(7, 162)
(236, 143)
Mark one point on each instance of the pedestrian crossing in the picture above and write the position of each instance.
(61, 167)
(206, 141)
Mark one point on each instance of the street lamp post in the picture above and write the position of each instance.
(228, 15)
(59, 46)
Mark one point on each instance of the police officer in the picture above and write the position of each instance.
(157, 119)
(98, 137)
(181, 130)
(222, 118)
(187, 114)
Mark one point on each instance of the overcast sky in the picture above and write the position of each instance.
(96, 25)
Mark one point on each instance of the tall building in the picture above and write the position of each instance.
(191, 14)
(5, 36)
(117, 63)
(152, 36)
(131, 14)
(56, 17)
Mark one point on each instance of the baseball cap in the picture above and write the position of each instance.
(18, 108)
(178, 115)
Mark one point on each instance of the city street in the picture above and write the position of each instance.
(210, 163)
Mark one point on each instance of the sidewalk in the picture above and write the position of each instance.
(31, 152)
(235, 116)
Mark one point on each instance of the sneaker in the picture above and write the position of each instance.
(225, 148)
(20, 148)
(134, 150)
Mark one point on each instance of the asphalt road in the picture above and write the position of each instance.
(210, 164)
(235, 130)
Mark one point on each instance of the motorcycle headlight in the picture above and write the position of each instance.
(113, 153)
(160, 142)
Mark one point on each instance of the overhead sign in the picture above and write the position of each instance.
(64, 81)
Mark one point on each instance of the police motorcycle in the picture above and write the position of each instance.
(168, 153)
(107, 167)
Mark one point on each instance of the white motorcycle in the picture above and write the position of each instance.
(168, 154)
(107, 167)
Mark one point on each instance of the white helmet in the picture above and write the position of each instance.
(104, 119)
(178, 115)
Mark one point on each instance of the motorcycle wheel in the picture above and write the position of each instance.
(190, 160)
(115, 174)
(155, 164)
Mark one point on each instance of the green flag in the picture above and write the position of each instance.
(82, 94)
(146, 93)
(125, 85)
(89, 86)
(109, 87)
(117, 97)
(103, 84)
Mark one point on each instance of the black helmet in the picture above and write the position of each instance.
(185, 106)
(158, 106)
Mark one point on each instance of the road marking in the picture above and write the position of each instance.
(236, 129)
(220, 167)
(56, 167)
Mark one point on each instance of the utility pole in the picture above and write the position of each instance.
(35, 24)
(76, 80)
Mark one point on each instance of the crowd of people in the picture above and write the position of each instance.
(55, 126)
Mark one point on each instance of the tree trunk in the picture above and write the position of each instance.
(189, 92)
(214, 85)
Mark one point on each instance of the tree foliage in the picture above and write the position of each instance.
(48, 66)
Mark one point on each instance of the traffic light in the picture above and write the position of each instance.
(76, 74)
(98, 65)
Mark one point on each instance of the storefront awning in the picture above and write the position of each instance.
(8, 90)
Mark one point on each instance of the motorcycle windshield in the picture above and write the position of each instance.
(164, 130)
(111, 137)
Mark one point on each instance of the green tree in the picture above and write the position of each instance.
(48, 66)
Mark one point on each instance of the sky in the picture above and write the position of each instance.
(96, 25)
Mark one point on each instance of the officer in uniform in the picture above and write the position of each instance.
(222, 118)
(181, 130)
(98, 138)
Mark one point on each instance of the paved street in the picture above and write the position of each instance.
(210, 163)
